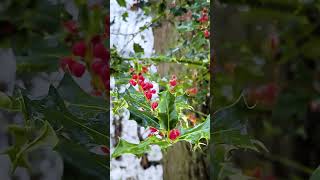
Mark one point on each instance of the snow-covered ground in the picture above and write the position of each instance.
(128, 166)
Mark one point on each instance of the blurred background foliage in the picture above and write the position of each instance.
(268, 50)
(36, 32)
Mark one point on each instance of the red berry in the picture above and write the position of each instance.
(97, 66)
(153, 91)
(105, 149)
(153, 130)
(79, 48)
(134, 76)
(148, 95)
(174, 133)
(71, 26)
(133, 82)
(206, 33)
(204, 18)
(150, 85)
(154, 105)
(66, 63)
(141, 77)
(192, 91)
(145, 87)
(141, 83)
(77, 69)
(99, 51)
(173, 82)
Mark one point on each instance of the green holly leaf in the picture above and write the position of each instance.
(182, 103)
(316, 174)
(143, 147)
(122, 3)
(139, 108)
(46, 138)
(197, 133)
(78, 101)
(167, 111)
(9, 103)
(137, 48)
(125, 16)
(228, 132)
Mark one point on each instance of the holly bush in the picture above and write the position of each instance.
(167, 106)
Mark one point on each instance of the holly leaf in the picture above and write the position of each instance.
(137, 48)
(124, 16)
(78, 101)
(167, 111)
(143, 147)
(197, 133)
(139, 108)
(316, 174)
(84, 160)
(122, 3)
(9, 103)
(228, 132)
(46, 138)
(182, 103)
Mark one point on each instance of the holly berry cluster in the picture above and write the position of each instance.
(203, 20)
(145, 87)
(88, 54)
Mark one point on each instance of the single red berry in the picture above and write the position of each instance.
(141, 77)
(154, 105)
(205, 17)
(66, 63)
(153, 91)
(133, 82)
(174, 133)
(148, 95)
(206, 33)
(105, 149)
(134, 76)
(97, 66)
(79, 48)
(71, 26)
(173, 82)
(77, 69)
(153, 130)
(99, 51)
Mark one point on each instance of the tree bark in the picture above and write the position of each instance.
(181, 163)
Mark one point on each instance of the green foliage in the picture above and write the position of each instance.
(229, 133)
(316, 174)
(167, 111)
(79, 121)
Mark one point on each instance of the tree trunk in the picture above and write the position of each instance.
(181, 163)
